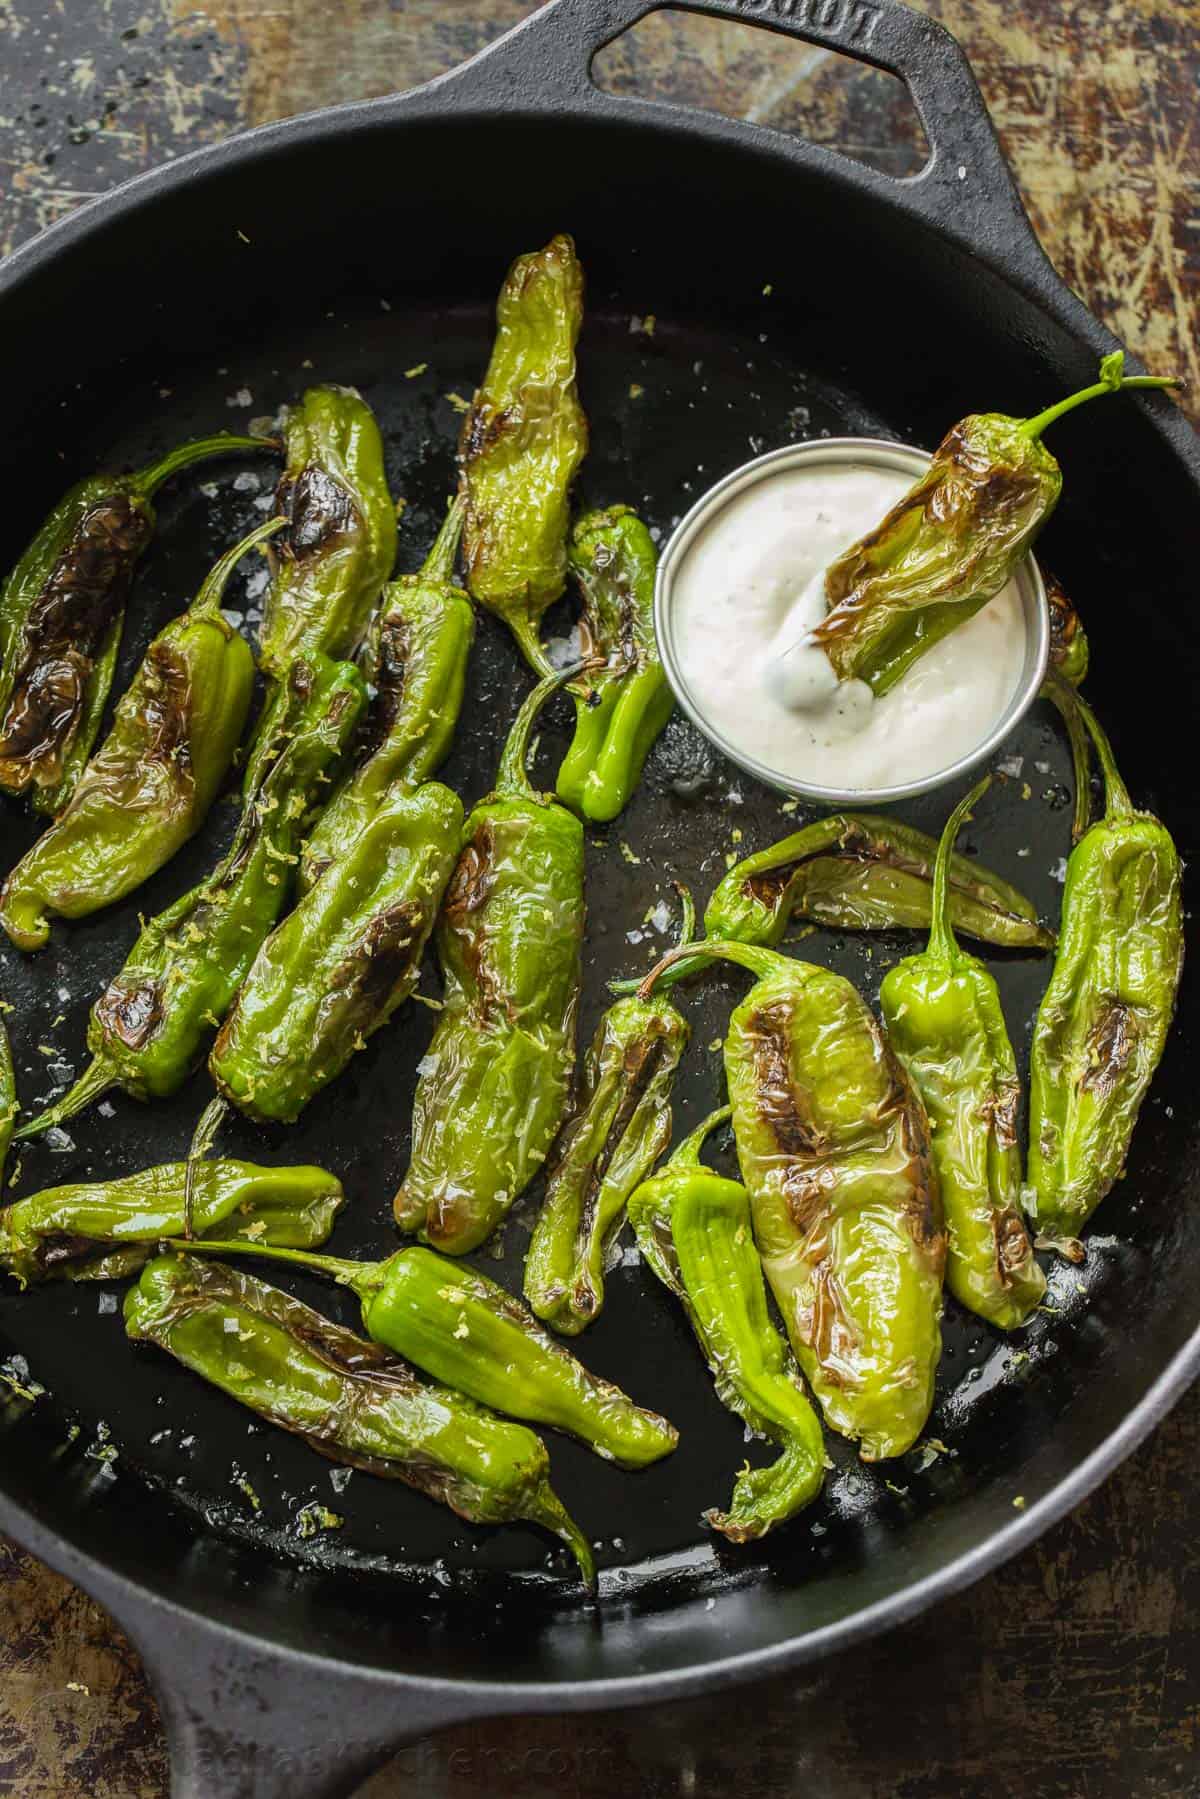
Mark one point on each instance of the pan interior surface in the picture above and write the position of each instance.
(784, 306)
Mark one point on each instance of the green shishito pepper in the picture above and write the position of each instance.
(149, 788)
(621, 1126)
(416, 661)
(495, 1080)
(8, 1097)
(693, 1228)
(945, 1023)
(103, 1229)
(1104, 1018)
(341, 963)
(625, 704)
(953, 540)
(1069, 658)
(349, 1399)
(149, 1027)
(522, 443)
(455, 1324)
(336, 550)
(834, 1150)
(856, 871)
(61, 613)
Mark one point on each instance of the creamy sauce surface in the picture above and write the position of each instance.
(751, 585)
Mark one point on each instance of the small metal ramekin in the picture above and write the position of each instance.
(872, 452)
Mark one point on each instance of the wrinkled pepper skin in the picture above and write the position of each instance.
(8, 1097)
(950, 544)
(626, 701)
(149, 1028)
(463, 1329)
(342, 961)
(946, 1025)
(1103, 1022)
(834, 1150)
(416, 662)
(62, 610)
(1070, 656)
(621, 1126)
(149, 788)
(496, 1077)
(522, 443)
(349, 1399)
(694, 1229)
(107, 1228)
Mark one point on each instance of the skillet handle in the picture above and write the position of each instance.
(966, 188)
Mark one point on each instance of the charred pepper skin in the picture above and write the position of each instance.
(349, 1399)
(102, 1230)
(497, 1073)
(1103, 1022)
(342, 961)
(149, 1028)
(61, 614)
(834, 1150)
(149, 788)
(950, 544)
(522, 443)
(416, 661)
(626, 702)
(336, 550)
(857, 871)
(1070, 656)
(946, 1025)
(461, 1328)
(694, 1229)
(621, 1126)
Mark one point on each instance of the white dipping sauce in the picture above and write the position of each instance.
(751, 584)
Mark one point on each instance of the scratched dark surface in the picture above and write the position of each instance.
(1076, 1670)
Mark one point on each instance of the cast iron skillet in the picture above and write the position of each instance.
(354, 245)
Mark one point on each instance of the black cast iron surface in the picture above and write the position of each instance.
(355, 250)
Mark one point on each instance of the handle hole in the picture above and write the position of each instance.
(744, 72)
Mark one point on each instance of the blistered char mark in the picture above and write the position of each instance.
(391, 675)
(383, 955)
(922, 1206)
(318, 509)
(130, 1014)
(167, 708)
(470, 888)
(778, 1100)
(641, 1062)
(1111, 1044)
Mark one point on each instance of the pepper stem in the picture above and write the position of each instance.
(685, 940)
(1063, 696)
(1117, 803)
(361, 1277)
(212, 588)
(439, 564)
(97, 1078)
(1112, 381)
(688, 1153)
(203, 1138)
(548, 1510)
(531, 645)
(942, 941)
(751, 956)
(148, 480)
(512, 776)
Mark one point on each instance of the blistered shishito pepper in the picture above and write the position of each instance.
(149, 1028)
(149, 787)
(693, 1227)
(834, 1150)
(945, 1023)
(416, 661)
(455, 1324)
(497, 1074)
(61, 613)
(8, 1097)
(1104, 1019)
(522, 443)
(859, 872)
(342, 961)
(103, 1229)
(1069, 657)
(625, 701)
(952, 542)
(620, 1127)
(336, 550)
(349, 1399)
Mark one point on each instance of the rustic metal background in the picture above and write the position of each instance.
(1075, 1671)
